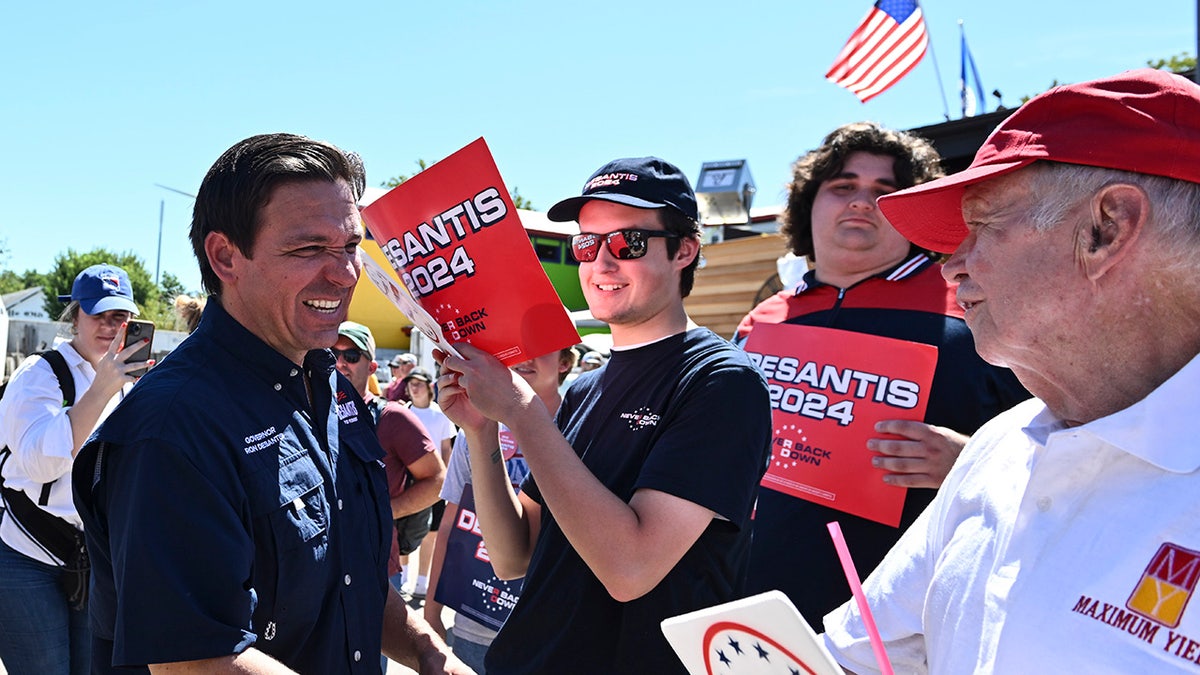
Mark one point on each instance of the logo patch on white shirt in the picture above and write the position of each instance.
(1158, 600)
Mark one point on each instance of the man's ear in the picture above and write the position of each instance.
(222, 253)
(372, 367)
(689, 248)
(1117, 219)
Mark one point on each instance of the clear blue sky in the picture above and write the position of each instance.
(100, 101)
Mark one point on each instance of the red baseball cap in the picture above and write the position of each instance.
(1144, 121)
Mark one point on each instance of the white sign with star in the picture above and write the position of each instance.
(759, 635)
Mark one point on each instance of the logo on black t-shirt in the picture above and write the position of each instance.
(641, 418)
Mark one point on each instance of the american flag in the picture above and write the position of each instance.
(888, 43)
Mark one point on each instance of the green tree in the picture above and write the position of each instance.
(11, 281)
(518, 201)
(169, 287)
(400, 178)
(1179, 63)
(68, 265)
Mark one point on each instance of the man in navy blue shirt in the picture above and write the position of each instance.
(236, 508)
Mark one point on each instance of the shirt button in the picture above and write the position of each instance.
(347, 579)
(339, 505)
(1043, 503)
(357, 655)
(278, 386)
(294, 372)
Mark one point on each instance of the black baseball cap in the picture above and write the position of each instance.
(419, 374)
(641, 182)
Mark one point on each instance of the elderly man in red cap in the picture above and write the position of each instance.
(1067, 537)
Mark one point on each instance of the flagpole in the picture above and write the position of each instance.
(938, 71)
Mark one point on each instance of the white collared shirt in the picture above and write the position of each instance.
(1050, 549)
(35, 427)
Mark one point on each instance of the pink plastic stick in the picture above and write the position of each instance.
(839, 542)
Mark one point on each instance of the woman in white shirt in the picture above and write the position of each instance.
(43, 616)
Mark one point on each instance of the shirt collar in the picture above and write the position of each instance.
(257, 356)
(73, 358)
(1156, 429)
(902, 270)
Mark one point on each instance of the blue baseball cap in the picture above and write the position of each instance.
(101, 288)
(641, 182)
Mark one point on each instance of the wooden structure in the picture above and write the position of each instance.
(735, 272)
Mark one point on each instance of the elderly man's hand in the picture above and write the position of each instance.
(922, 458)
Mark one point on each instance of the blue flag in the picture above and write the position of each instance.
(973, 101)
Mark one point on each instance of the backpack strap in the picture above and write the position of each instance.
(50, 532)
(66, 381)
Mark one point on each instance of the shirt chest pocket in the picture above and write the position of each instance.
(288, 496)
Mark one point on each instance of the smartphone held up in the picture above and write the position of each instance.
(139, 332)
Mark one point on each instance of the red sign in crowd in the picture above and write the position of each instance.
(828, 389)
(453, 235)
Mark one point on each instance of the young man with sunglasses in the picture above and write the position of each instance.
(638, 507)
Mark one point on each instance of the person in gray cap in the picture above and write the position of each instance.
(401, 365)
(52, 403)
(638, 505)
(1067, 536)
(591, 361)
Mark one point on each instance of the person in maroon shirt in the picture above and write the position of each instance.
(415, 470)
(401, 365)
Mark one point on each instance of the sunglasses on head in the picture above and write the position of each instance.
(351, 355)
(622, 244)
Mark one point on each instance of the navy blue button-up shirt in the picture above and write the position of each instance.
(225, 508)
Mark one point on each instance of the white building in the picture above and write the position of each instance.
(26, 305)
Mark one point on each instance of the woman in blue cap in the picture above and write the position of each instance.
(51, 405)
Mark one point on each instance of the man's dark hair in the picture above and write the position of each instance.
(674, 221)
(915, 162)
(242, 180)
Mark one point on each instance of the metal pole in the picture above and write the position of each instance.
(162, 204)
(938, 71)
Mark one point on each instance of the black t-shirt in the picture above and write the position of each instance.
(690, 416)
